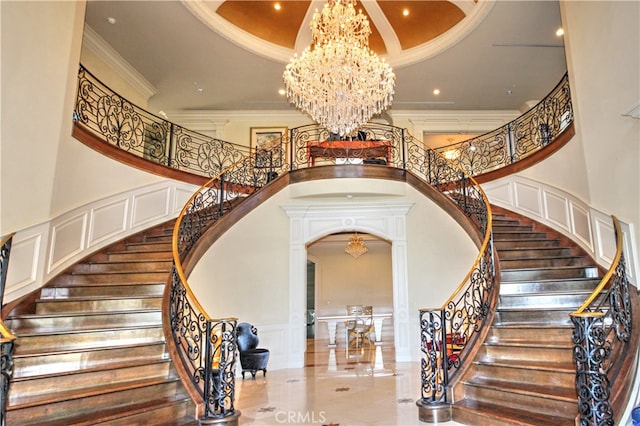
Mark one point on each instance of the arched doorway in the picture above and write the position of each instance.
(311, 221)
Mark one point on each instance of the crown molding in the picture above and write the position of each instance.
(96, 44)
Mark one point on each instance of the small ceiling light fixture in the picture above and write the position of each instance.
(405, 12)
(281, 92)
(277, 6)
(111, 20)
(560, 32)
(338, 80)
(436, 92)
(356, 247)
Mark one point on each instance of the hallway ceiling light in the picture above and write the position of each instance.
(338, 80)
(356, 247)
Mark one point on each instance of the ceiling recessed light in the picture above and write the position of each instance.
(111, 20)
(281, 92)
(277, 6)
(436, 92)
(560, 32)
(405, 12)
(200, 89)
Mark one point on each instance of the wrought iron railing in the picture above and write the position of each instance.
(207, 347)
(518, 139)
(601, 336)
(7, 338)
(121, 124)
(447, 332)
(142, 134)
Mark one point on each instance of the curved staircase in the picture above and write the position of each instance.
(524, 373)
(90, 348)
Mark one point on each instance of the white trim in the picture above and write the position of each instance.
(41, 251)
(96, 44)
(311, 221)
(592, 229)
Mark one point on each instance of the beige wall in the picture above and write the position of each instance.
(246, 273)
(343, 280)
(601, 164)
(45, 171)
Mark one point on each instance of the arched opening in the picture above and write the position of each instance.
(312, 221)
(359, 277)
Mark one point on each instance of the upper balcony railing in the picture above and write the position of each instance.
(112, 119)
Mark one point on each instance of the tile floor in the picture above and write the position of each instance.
(359, 387)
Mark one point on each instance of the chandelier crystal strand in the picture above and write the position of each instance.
(338, 80)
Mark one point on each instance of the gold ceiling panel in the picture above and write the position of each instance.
(261, 19)
(426, 20)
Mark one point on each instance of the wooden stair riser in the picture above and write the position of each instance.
(66, 322)
(533, 316)
(521, 236)
(509, 228)
(530, 243)
(50, 306)
(89, 402)
(87, 339)
(79, 380)
(549, 273)
(150, 246)
(537, 300)
(544, 286)
(120, 267)
(535, 253)
(542, 262)
(540, 377)
(102, 290)
(59, 362)
(118, 278)
(139, 255)
(560, 335)
(180, 410)
(542, 403)
(562, 354)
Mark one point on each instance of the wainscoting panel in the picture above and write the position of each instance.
(67, 239)
(528, 198)
(588, 227)
(41, 251)
(149, 206)
(582, 225)
(23, 271)
(557, 210)
(108, 221)
(274, 338)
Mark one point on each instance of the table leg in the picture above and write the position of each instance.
(377, 322)
(332, 325)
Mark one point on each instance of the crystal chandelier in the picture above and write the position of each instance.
(356, 247)
(338, 80)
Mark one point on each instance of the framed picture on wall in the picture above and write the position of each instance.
(268, 145)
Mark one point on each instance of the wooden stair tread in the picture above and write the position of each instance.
(513, 415)
(97, 297)
(80, 350)
(121, 412)
(531, 389)
(104, 388)
(529, 344)
(563, 367)
(102, 367)
(66, 332)
(76, 314)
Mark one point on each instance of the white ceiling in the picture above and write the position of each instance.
(513, 56)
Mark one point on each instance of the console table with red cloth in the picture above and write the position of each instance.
(342, 149)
